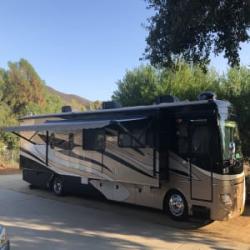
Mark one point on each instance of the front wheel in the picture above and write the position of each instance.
(176, 205)
(57, 186)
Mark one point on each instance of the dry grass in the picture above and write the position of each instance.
(9, 167)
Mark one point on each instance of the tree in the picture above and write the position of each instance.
(23, 87)
(138, 87)
(22, 92)
(7, 118)
(53, 103)
(235, 87)
(191, 29)
(142, 85)
(187, 82)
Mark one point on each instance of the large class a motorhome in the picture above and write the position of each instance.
(182, 157)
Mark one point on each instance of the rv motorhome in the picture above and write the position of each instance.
(183, 157)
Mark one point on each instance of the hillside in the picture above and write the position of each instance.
(77, 102)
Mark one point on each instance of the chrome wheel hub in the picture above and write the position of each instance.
(58, 187)
(176, 205)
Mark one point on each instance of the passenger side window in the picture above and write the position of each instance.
(40, 138)
(201, 140)
(71, 141)
(94, 139)
(61, 141)
(134, 140)
(52, 141)
(182, 137)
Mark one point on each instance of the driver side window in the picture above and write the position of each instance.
(200, 140)
(182, 138)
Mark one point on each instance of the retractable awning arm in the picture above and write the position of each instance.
(25, 138)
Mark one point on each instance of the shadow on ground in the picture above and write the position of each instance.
(36, 219)
(62, 225)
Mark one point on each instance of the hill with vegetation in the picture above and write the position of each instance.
(75, 101)
(23, 92)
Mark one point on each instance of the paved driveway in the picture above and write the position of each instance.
(36, 219)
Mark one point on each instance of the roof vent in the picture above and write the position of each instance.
(66, 109)
(166, 98)
(111, 105)
(207, 95)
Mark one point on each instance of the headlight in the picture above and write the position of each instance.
(3, 236)
(226, 200)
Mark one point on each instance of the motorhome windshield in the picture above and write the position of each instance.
(231, 147)
(230, 140)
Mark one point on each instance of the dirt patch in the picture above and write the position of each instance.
(237, 229)
(8, 169)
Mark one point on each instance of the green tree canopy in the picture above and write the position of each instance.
(142, 85)
(191, 29)
(138, 87)
(22, 92)
(23, 87)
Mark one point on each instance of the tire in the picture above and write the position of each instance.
(57, 186)
(31, 186)
(175, 205)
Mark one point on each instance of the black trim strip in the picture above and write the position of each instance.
(24, 138)
(197, 199)
(36, 170)
(31, 154)
(83, 158)
(47, 148)
(179, 172)
(125, 163)
(110, 155)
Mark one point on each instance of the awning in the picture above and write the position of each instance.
(65, 125)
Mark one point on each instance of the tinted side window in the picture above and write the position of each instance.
(201, 137)
(182, 138)
(135, 139)
(94, 139)
(71, 141)
(62, 141)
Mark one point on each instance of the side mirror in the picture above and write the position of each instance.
(231, 148)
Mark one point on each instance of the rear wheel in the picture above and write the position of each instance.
(57, 186)
(176, 205)
(31, 186)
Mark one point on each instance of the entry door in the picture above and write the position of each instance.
(201, 164)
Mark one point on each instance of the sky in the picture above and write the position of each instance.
(79, 46)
